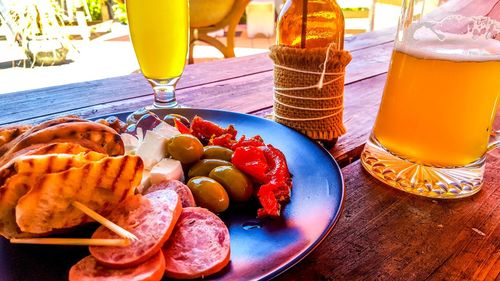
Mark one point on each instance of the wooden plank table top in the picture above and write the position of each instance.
(383, 233)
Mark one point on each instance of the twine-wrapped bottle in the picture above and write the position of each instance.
(309, 68)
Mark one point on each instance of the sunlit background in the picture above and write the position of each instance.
(51, 42)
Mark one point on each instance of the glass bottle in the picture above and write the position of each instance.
(311, 24)
(323, 24)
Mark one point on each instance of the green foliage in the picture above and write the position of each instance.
(95, 9)
(120, 12)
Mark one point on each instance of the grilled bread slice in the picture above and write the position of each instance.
(32, 129)
(9, 195)
(99, 185)
(9, 133)
(91, 135)
(8, 168)
(28, 171)
(95, 136)
(53, 163)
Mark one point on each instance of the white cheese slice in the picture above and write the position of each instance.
(152, 149)
(130, 142)
(166, 169)
(165, 130)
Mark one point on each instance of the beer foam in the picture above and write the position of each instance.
(454, 50)
(459, 41)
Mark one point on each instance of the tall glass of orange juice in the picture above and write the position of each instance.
(159, 30)
(442, 93)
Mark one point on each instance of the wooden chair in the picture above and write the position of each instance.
(230, 22)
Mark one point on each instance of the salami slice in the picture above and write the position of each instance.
(151, 218)
(198, 247)
(182, 190)
(88, 269)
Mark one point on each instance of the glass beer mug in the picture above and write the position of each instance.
(435, 122)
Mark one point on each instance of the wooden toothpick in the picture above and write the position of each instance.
(72, 241)
(104, 221)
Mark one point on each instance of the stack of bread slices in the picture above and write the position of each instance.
(45, 168)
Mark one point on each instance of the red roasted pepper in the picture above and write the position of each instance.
(271, 197)
(205, 130)
(277, 190)
(243, 141)
(228, 140)
(183, 129)
(267, 165)
(225, 140)
(252, 161)
(278, 169)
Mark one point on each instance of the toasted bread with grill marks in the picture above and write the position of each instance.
(9, 133)
(99, 185)
(8, 168)
(28, 170)
(32, 129)
(99, 137)
(55, 162)
(96, 137)
(9, 195)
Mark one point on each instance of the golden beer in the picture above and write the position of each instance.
(438, 110)
(434, 125)
(159, 30)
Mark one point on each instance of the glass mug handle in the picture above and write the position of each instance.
(496, 142)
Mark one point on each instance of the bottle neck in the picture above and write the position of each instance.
(310, 24)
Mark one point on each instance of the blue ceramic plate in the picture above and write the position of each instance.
(260, 249)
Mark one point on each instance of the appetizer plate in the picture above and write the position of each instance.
(260, 248)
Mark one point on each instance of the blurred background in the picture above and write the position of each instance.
(51, 42)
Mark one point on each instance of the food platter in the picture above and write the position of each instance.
(260, 248)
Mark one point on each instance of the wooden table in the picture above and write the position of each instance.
(383, 234)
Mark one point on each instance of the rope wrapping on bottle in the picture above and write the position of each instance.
(308, 89)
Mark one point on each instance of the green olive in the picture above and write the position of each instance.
(217, 152)
(185, 148)
(238, 185)
(204, 166)
(209, 194)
